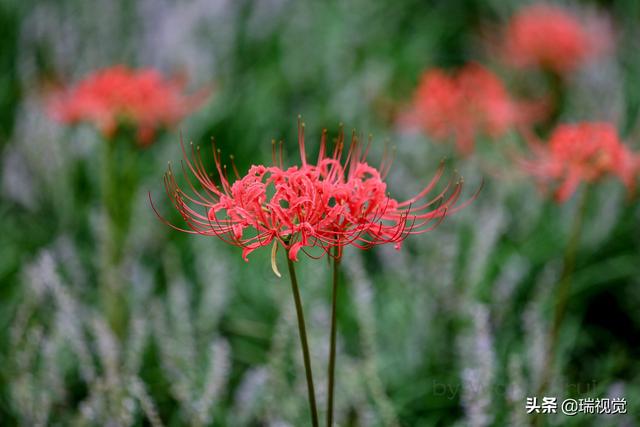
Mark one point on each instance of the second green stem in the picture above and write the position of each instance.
(332, 348)
(564, 291)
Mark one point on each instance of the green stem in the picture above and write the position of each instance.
(332, 347)
(303, 341)
(564, 291)
(558, 91)
(118, 186)
(109, 295)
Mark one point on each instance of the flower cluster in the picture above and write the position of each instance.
(326, 205)
(118, 96)
(550, 37)
(583, 152)
(462, 106)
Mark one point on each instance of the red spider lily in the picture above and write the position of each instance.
(552, 38)
(464, 105)
(583, 152)
(118, 95)
(338, 201)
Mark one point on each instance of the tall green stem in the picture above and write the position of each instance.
(564, 291)
(109, 282)
(118, 187)
(332, 346)
(303, 341)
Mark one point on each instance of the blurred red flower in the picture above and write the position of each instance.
(464, 105)
(118, 95)
(583, 152)
(553, 38)
(326, 205)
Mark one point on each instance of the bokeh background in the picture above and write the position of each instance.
(450, 330)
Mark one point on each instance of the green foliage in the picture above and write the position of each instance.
(450, 330)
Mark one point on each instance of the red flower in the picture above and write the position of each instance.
(582, 152)
(329, 204)
(118, 95)
(552, 38)
(463, 106)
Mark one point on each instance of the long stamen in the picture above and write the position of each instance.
(303, 154)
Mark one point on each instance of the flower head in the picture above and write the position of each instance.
(462, 106)
(552, 38)
(117, 96)
(340, 200)
(583, 152)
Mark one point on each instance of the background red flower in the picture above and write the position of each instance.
(119, 95)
